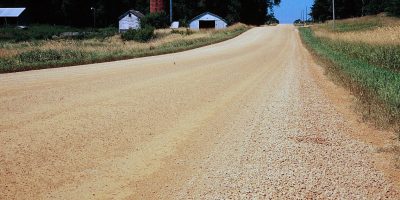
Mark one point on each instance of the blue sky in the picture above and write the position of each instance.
(290, 10)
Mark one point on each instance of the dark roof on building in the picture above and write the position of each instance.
(207, 13)
(11, 12)
(134, 12)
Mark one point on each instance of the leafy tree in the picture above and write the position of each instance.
(78, 12)
(271, 19)
(373, 7)
(157, 20)
(298, 21)
(393, 7)
(322, 9)
(247, 11)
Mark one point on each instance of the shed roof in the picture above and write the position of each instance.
(134, 12)
(11, 12)
(207, 13)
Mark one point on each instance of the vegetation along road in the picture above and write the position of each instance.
(252, 117)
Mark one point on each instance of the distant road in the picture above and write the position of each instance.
(247, 118)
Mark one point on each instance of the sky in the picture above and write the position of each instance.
(290, 10)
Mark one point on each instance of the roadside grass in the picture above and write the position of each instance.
(376, 30)
(40, 54)
(387, 35)
(370, 71)
(361, 23)
(384, 56)
(350, 25)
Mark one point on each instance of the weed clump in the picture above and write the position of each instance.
(182, 32)
(157, 20)
(141, 35)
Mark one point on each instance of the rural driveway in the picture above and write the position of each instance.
(244, 119)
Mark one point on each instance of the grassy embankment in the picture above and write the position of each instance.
(363, 54)
(101, 46)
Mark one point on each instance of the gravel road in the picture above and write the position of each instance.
(248, 118)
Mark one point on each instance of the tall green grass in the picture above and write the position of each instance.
(385, 56)
(369, 71)
(40, 59)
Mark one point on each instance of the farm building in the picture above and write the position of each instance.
(130, 20)
(208, 20)
(13, 15)
(156, 6)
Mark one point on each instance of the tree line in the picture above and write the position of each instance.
(322, 9)
(78, 13)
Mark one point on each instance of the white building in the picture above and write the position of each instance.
(130, 20)
(174, 25)
(207, 20)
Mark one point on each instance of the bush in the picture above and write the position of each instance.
(157, 20)
(141, 35)
(182, 32)
(101, 33)
(183, 23)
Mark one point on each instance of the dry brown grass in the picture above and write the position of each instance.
(114, 43)
(381, 36)
(38, 54)
(7, 53)
(382, 19)
(379, 30)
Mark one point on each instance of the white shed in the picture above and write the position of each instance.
(130, 20)
(208, 20)
(11, 13)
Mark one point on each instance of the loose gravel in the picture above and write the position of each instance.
(243, 119)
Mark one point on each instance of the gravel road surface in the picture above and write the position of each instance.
(244, 119)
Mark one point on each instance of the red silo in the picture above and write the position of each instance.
(156, 6)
